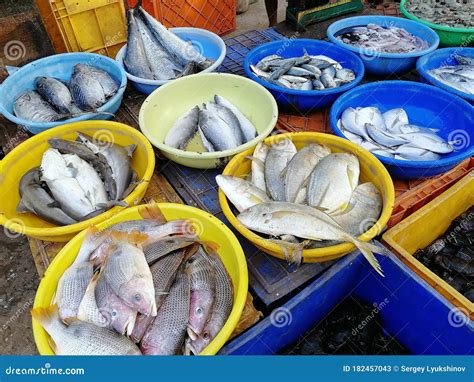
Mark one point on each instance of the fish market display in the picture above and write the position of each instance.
(391, 134)
(77, 180)
(376, 38)
(307, 72)
(140, 287)
(218, 125)
(459, 77)
(304, 198)
(451, 13)
(341, 333)
(155, 53)
(451, 256)
(55, 100)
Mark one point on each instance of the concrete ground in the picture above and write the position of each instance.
(18, 277)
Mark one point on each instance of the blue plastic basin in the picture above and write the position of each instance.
(59, 66)
(442, 57)
(425, 105)
(385, 64)
(301, 100)
(207, 43)
(416, 314)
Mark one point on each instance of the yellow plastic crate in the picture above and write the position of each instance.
(97, 26)
(426, 225)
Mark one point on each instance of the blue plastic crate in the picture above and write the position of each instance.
(418, 316)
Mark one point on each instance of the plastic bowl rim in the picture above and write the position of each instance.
(432, 25)
(212, 68)
(216, 154)
(47, 125)
(333, 29)
(343, 88)
(397, 162)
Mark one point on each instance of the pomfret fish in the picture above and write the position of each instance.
(241, 192)
(34, 198)
(82, 338)
(332, 182)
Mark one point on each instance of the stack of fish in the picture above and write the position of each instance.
(303, 73)
(451, 256)
(459, 77)
(155, 53)
(309, 198)
(55, 100)
(220, 126)
(391, 135)
(375, 38)
(140, 287)
(450, 13)
(77, 180)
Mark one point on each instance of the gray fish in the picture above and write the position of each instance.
(346, 75)
(241, 193)
(408, 152)
(56, 93)
(450, 13)
(383, 137)
(162, 67)
(165, 336)
(135, 59)
(229, 118)
(31, 107)
(183, 130)
(282, 69)
(216, 131)
(276, 161)
(118, 158)
(328, 80)
(35, 199)
(163, 247)
(464, 60)
(86, 90)
(109, 84)
(248, 128)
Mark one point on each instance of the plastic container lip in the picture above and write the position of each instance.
(216, 154)
(432, 25)
(335, 27)
(397, 162)
(41, 125)
(422, 61)
(350, 85)
(203, 32)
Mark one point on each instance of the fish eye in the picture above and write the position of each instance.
(137, 297)
(205, 335)
(199, 310)
(114, 313)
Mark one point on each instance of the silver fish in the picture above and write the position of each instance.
(31, 107)
(86, 90)
(82, 338)
(34, 198)
(218, 133)
(229, 118)
(183, 130)
(109, 85)
(258, 165)
(56, 93)
(248, 129)
(241, 193)
(277, 159)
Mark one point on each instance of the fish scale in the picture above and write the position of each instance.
(163, 247)
(165, 336)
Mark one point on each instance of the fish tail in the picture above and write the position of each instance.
(152, 212)
(45, 316)
(367, 250)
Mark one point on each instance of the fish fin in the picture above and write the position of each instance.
(134, 237)
(130, 149)
(257, 160)
(73, 171)
(24, 206)
(210, 246)
(54, 204)
(112, 203)
(293, 252)
(367, 250)
(353, 180)
(45, 315)
(93, 214)
(190, 251)
(152, 212)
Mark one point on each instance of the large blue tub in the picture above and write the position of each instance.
(421, 319)
(59, 66)
(426, 106)
(379, 63)
(301, 100)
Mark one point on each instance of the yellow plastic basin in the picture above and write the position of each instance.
(166, 104)
(208, 228)
(371, 169)
(29, 154)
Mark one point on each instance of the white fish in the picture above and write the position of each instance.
(241, 192)
(258, 165)
(277, 159)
